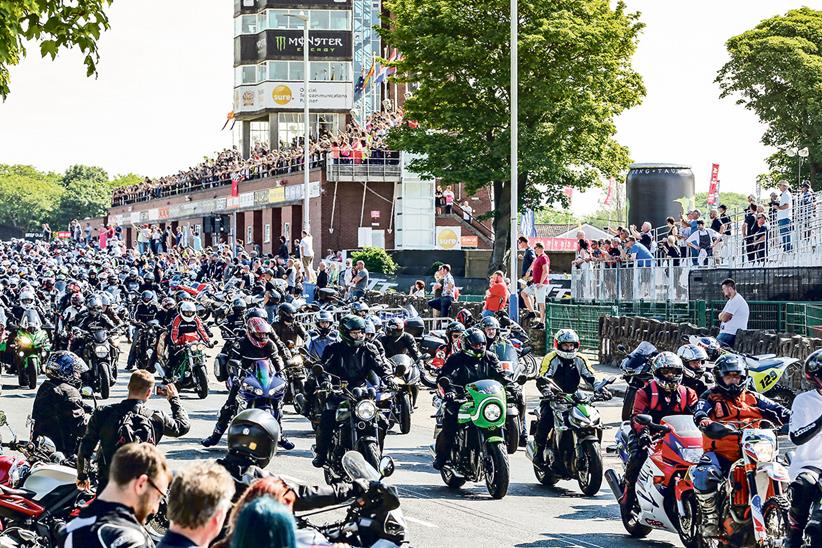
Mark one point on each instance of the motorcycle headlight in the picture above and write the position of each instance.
(365, 410)
(21, 354)
(761, 451)
(258, 391)
(245, 387)
(692, 454)
(101, 351)
(24, 342)
(492, 412)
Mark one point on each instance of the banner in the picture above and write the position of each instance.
(449, 237)
(610, 195)
(556, 244)
(322, 44)
(290, 96)
(713, 189)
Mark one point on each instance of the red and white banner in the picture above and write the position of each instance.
(610, 195)
(713, 189)
(556, 244)
(235, 186)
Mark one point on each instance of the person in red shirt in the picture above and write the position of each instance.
(538, 270)
(496, 296)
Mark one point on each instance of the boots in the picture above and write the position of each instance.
(213, 439)
(539, 456)
(628, 498)
(795, 538)
(710, 515)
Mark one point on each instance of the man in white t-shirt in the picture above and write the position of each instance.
(784, 216)
(806, 465)
(735, 314)
(307, 254)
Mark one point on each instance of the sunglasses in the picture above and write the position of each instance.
(160, 491)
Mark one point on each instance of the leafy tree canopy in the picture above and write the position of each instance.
(27, 196)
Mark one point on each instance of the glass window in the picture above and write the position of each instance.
(277, 19)
(261, 22)
(295, 70)
(338, 20)
(262, 72)
(249, 24)
(294, 22)
(248, 75)
(319, 19)
(278, 70)
(238, 26)
(340, 72)
(319, 71)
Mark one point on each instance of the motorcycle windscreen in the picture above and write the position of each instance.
(357, 467)
(100, 335)
(263, 371)
(30, 321)
(644, 349)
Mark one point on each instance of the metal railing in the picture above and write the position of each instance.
(383, 168)
(664, 280)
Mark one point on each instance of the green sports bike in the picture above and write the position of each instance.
(479, 450)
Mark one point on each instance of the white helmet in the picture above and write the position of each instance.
(693, 358)
(27, 298)
(188, 311)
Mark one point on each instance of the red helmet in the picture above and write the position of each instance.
(258, 331)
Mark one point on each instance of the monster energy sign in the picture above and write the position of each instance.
(281, 44)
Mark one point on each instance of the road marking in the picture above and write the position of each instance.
(421, 522)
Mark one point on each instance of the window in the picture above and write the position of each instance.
(259, 133)
(246, 74)
(338, 20)
(277, 19)
(339, 72)
(249, 235)
(295, 70)
(249, 24)
(278, 70)
(262, 72)
(319, 71)
(319, 20)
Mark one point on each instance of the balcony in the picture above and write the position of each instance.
(385, 168)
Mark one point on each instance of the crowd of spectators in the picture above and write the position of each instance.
(355, 144)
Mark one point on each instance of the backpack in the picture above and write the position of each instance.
(135, 427)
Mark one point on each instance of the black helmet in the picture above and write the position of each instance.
(65, 366)
(394, 327)
(473, 343)
(709, 344)
(813, 368)
(286, 312)
(667, 370)
(255, 312)
(238, 305)
(490, 322)
(360, 309)
(147, 296)
(254, 433)
(94, 304)
(727, 364)
(324, 322)
(349, 324)
(454, 328)
(415, 327)
(149, 277)
(274, 297)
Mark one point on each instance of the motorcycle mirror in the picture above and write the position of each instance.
(387, 467)
(621, 348)
(400, 370)
(521, 380)
(644, 420)
(3, 419)
(317, 369)
(87, 392)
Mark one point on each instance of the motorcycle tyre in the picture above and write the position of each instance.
(451, 479)
(531, 366)
(371, 452)
(428, 379)
(628, 403)
(201, 380)
(31, 373)
(404, 412)
(591, 451)
(691, 538)
(777, 507)
(545, 475)
(497, 482)
(634, 529)
(512, 434)
(105, 382)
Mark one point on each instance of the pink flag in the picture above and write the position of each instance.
(611, 188)
(713, 189)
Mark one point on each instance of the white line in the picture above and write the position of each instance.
(421, 522)
(291, 478)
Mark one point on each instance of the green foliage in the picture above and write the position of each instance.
(734, 201)
(27, 196)
(92, 174)
(575, 76)
(776, 71)
(375, 259)
(125, 180)
(53, 24)
(88, 194)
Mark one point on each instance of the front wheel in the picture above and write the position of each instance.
(628, 403)
(428, 376)
(404, 412)
(371, 451)
(105, 381)
(497, 472)
(511, 434)
(31, 373)
(589, 468)
(775, 515)
(688, 524)
(201, 381)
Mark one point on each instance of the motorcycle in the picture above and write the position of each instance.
(636, 371)
(478, 450)
(573, 448)
(434, 350)
(146, 343)
(187, 367)
(359, 424)
(374, 519)
(295, 376)
(31, 346)
(221, 369)
(752, 502)
(515, 414)
(526, 355)
(407, 377)
(100, 355)
(764, 373)
(664, 485)
(260, 387)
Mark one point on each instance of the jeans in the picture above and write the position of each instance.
(271, 310)
(726, 338)
(487, 313)
(785, 231)
(443, 304)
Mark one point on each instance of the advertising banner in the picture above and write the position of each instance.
(556, 244)
(290, 96)
(713, 189)
(449, 237)
(322, 44)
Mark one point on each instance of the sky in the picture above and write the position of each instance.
(165, 86)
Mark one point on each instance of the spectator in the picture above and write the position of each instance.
(186, 239)
(359, 281)
(418, 289)
(597, 255)
(166, 238)
(496, 296)
(534, 294)
(716, 222)
(703, 241)
(442, 304)
(734, 315)
(615, 252)
(773, 208)
(528, 255)
(807, 207)
(198, 502)
(784, 216)
(295, 249)
(46, 232)
(644, 236)
(439, 201)
(749, 229)
(282, 252)
(724, 220)
(638, 252)
(264, 523)
(87, 231)
(322, 275)
(102, 237)
(583, 258)
(671, 250)
(307, 253)
(137, 480)
(760, 238)
(467, 211)
(448, 195)
(178, 237)
(197, 241)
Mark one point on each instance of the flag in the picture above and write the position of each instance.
(568, 191)
(395, 58)
(235, 184)
(359, 85)
(527, 226)
(368, 76)
(229, 118)
(611, 188)
(713, 189)
(381, 74)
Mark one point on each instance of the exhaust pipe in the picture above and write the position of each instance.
(615, 483)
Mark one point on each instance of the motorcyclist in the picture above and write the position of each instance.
(666, 394)
(146, 310)
(693, 361)
(256, 345)
(566, 368)
(728, 401)
(397, 341)
(473, 363)
(75, 309)
(490, 326)
(350, 360)
(453, 333)
(322, 335)
(59, 412)
(92, 319)
(150, 283)
(360, 309)
(372, 339)
(187, 326)
(286, 326)
(806, 465)
(131, 284)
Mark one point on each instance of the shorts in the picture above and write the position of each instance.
(537, 291)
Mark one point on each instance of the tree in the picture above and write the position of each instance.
(84, 173)
(88, 194)
(53, 24)
(574, 78)
(734, 201)
(128, 179)
(775, 70)
(27, 196)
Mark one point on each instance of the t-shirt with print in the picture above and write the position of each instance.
(447, 285)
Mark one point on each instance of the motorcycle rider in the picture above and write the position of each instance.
(286, 327)
(68, 318)
(93, 318)
(566, 368)
(397, 341)
(728, 400)
(453, 333)
(472, 363)
(59, 412)
(666, 394)
(256, 345)
(806, 465)
(188, 323)
(360, 309)
(349, 360)
(490, 326)
(322, 335)
(145, 311)
(693, 360)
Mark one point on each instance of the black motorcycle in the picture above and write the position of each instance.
(101, 355)
(407, 377)
(636, 371)
(146, 343)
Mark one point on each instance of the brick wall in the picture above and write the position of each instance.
(347, 209)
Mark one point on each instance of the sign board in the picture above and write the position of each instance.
(290, 96)
(364, 236)
(469, 241)
(556, 244)
(63, 234)
(342, 4)
(288, 44)
(375, 213)
(448, 237)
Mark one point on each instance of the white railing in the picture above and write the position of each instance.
(665, 280)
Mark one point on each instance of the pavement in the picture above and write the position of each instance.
(529, 516)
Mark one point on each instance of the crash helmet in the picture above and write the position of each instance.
(693, 358)
(149, 277)
(188, 311)
(360, 309)
(183, 296)
(370, 330)
(258, 331)
(13, 282)
(254, 433)
(238, 305)
(564, 337)
(94, 304)
(490, 326)
(168, 303)
(464, 317)
(324, 322)
(394, 328)
(274, 297)
(286, 313)
(473, 342)
(454, 331)
(813, 368)
(667, 370)
(255, 312)
(133, 273)
(27, 298)
(729, 364)
(105, 298)
(415, 327)
(76, 300)
(65, 366)
(352, 330)
(709, 344)
(147, 296)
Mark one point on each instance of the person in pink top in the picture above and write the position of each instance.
(449, 200)
(103, 237)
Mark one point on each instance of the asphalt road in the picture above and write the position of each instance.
(529, 516)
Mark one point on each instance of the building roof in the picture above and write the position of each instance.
(570, 231)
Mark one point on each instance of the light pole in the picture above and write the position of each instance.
(514, 162)
(305, 18)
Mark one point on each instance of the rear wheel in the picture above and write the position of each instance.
(497, 472)
(105, 381)
(589, 468)
(201, 380)
(630, 520)
(404, 412)
(511, 434)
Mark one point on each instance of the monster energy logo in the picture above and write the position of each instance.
(280, 43)
(315, 43)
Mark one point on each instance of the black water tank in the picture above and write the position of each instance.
(656, 191)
